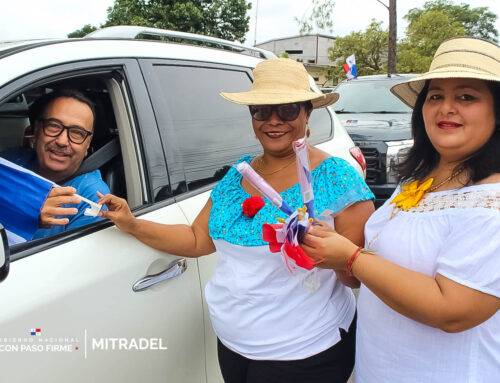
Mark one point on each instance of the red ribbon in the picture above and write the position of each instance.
(295, 252)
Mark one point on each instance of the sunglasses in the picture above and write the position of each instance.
(286, 112)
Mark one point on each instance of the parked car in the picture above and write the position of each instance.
(379, 124)
(94, 304)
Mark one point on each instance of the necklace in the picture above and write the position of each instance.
(456, 173)
(260, 163)
(412, 194)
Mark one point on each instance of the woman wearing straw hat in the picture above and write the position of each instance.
(271, 328)
(429, 299)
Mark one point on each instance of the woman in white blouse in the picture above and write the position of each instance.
(430, 272)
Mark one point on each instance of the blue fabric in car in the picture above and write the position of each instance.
(86, 185)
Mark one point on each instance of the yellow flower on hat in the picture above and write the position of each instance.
(412, 194)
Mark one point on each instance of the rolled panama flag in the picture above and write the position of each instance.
(304, 172)
(22, 187)
(263, 187)
(30, 192)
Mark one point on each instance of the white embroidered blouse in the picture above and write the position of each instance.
(454, 233)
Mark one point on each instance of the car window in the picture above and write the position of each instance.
(206, 133)
(368, 97)
(16, 135)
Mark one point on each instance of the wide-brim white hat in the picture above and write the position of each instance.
(458, 57)
(280, 81)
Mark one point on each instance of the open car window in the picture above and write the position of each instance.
(112, 126)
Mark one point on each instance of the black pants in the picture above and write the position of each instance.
(333, 365)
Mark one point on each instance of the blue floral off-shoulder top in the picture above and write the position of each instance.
(336, 184)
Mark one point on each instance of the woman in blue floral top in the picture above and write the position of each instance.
(271, 328)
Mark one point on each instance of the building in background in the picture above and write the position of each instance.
(311, 50)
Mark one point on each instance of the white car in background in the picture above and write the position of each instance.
(94, 304)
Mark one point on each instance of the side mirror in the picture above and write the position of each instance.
(4, 254)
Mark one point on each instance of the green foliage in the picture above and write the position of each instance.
(320, 16)
(87, 28)
(225, 19)
(369, 48)
(284, 55)
(423, 37)
(477, 22)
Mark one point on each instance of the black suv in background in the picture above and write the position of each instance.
(379, 124)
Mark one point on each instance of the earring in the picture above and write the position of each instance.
(308, 131)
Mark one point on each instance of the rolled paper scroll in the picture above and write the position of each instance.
(304, 172)
(263, 187)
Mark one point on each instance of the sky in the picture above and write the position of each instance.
(28, 19)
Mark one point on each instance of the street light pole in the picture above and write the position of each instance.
(256, 12)
(391, 56)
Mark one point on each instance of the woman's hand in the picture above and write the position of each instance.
(119, 211)
(326, 246)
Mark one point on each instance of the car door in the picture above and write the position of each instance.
(203, 135)
(69, 311)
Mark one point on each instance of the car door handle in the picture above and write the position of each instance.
(173, 270)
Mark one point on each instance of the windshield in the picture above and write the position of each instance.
(368, 97)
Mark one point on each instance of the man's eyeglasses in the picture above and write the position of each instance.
(286, 112)
(54, 128)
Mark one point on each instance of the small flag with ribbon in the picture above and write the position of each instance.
(285, 236)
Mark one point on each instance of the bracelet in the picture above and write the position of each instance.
(351, 260)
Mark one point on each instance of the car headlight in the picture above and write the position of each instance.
(395, 150)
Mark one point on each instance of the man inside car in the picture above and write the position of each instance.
(63, 127)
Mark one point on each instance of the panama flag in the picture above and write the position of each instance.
(36, 332)
(350, 67)
(22, 195)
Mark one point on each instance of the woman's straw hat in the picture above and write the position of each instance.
(280, 81)
(459, 57)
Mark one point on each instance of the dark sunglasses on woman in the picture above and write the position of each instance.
(286, 112)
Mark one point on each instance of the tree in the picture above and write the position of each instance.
(369, 48)
(320, 16)
(477, 22)
(423, 37)
(87, 28)
(227, 19)
(218, 18)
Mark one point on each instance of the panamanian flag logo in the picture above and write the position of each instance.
(36, 332)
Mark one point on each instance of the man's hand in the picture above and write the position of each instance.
(59, 195)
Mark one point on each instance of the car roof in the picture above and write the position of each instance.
(26, 58)
(21, 57)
